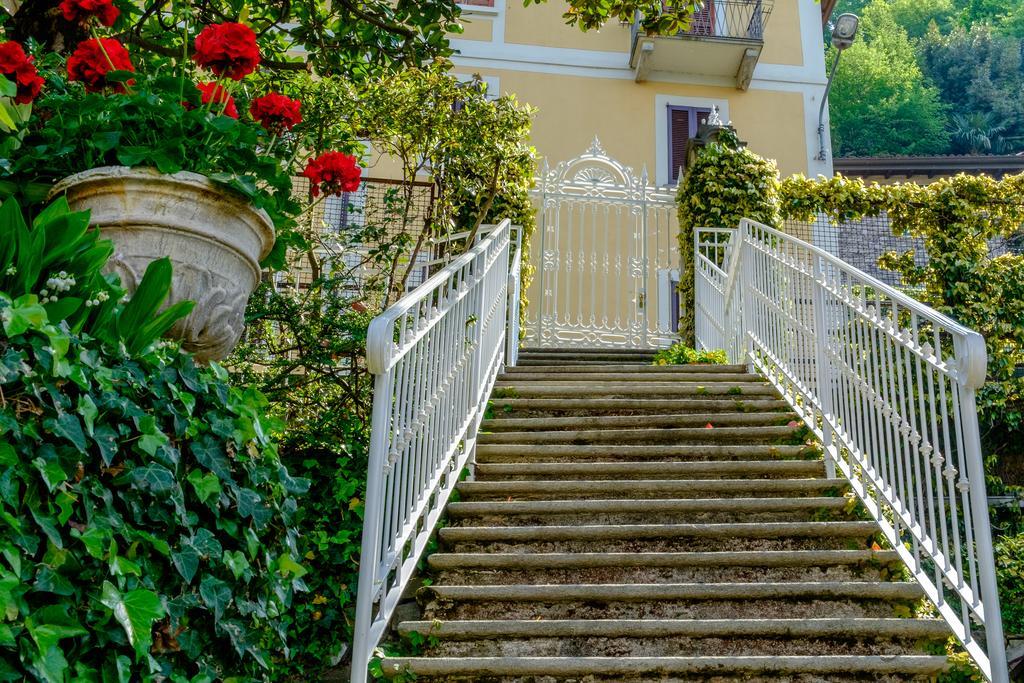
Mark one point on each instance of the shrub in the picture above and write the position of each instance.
(681, 354)
(727, 182)
(1010, 572)
(145, 519)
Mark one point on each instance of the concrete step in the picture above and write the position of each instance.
(623, 511)
(523, 375)
(609, 532)
(629, 368)
(577, 561)
(559, 471)
(692, 628)
(649, 488)
(814, 590)
(629, 453)
(672, 567)
(699, 420)
(669, 637)
(584, 407)
(737, 506)
(657, 668)
(592, 390)
(681, 435)
(583, 352)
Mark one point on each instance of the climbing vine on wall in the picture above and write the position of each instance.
(725, 183)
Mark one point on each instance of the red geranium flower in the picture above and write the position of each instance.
(93, 60)
(18, 68)
(275, 112)
(333, 173)
(218, 96)
(80, 11)
(227, 49)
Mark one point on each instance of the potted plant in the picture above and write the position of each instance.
(183, 158)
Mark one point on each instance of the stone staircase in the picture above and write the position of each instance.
(629, 522)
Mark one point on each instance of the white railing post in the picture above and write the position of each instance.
(514, 295)
(823, 367)
(373, 516)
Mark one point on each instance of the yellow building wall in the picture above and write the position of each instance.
(572, 109)
(542, 25)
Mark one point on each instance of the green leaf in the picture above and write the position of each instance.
(287, 565)
(236, 562)
(68, 426)
(136, 611)
(23, 315)
(206, 486)
(216, 595)
(87, 409)
(8, 88)
(107, 140)
(154, 477)
(186, 561)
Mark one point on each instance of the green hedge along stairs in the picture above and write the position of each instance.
(637, 522)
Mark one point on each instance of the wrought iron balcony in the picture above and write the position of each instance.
(725, 39)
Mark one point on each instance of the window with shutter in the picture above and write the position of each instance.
(683, 123)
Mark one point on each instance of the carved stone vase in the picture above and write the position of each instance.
(214, 237)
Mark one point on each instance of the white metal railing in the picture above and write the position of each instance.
(435, 355)
(888, 385)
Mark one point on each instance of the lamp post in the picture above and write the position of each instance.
(843, 35)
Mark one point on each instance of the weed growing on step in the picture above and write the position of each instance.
(505, 392)
(681, 354)
(735, 391)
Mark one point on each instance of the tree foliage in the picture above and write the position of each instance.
(881, 102)
(968, 55)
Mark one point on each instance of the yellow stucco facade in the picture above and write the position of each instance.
(587, 84)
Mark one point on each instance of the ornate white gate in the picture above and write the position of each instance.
(606, 257)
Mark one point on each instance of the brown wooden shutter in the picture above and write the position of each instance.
(680, 132)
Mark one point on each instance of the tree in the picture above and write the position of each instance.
(881, 102)
(979, 133)
(355, 37)
(978, 71)
(656, 16)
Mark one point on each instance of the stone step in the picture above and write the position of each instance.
(546, 471)
(609, 532)
(508, 510)
(629, 368)
(559, 375)
(691, 628)
(628, 453)
(681, 435)
(583, 407)
(669, 637)
(649, 488)
(585, 352)
(576, 561)
(699, 420)
(657, 668)
(815, 590)
(517, 389)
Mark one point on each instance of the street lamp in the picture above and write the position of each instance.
(843, 34)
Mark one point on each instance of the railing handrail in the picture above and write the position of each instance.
(888, 385)
(380, 345)
(977, 354)
(435, 355)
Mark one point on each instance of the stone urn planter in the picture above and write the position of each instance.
(214, 237)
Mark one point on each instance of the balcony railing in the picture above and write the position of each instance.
(726, 19)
